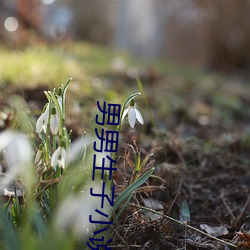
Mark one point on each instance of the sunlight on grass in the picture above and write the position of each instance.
(37, 65)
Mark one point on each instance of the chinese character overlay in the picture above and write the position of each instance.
(103, 167)
(103, 195)
(114, 111)
(111, 138)
(107, 142)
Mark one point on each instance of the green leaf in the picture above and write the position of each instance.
(185, 212)
(129, 190)
(39, 222)
(122, 208)
(11, 237)
(65, 87)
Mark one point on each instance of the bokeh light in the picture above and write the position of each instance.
(48, 2)
(11, 24)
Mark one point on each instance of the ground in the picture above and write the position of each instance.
(197, 124)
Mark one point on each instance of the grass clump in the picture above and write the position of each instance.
(48, 189)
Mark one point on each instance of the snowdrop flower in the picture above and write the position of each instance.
(59, 157)
(73, 214)
(17, 152)
(133, 114)
(54, 121)
(42, 122)
(78, 148)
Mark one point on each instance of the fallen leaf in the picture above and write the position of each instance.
(245, 236)
(215, 231)
(185, 212)
(152, 204)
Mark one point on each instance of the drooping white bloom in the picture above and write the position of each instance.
(54, 121)
(59, 157)
(133, 114)
(78, 148)
(73, 214)
(17, 152)
(42, 122)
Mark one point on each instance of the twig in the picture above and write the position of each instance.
(227, 207)
(184, 224)
(122, 246)
(173, 202)
(239, 217)
(185, 242)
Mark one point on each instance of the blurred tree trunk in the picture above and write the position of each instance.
(92, 21)
(229, 34)
(28, 14)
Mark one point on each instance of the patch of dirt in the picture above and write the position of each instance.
(216, 187)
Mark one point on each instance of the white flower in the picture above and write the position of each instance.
(133, 114)
(54, 121)
(38, 156)
(72, 215)
(42, 122)
(17, 152)
(59, 157)
(78, 148)
(59, 99)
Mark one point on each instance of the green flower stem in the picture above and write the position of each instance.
(53, 142)
(47, 137)
(53, 97)
(118, 128)
(65, 87)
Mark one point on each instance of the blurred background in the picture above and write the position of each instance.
(212, 34)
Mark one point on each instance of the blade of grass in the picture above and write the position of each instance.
(122, 208)
(128, 191)
(11, 239)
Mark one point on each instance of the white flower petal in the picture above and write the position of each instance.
(71, 214)
(19, 151)
(132, 117)
(63, 158)
(46, 113)
(61, 163)
(44, 127)
(18, 155)
(54, 124)
(38, 156)
(42, 121)
(78, 147)
(124, 113)
(39, 123)
(59, 158)
(139, 116)
(5, 139)
(55, 156)
(59, 99)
